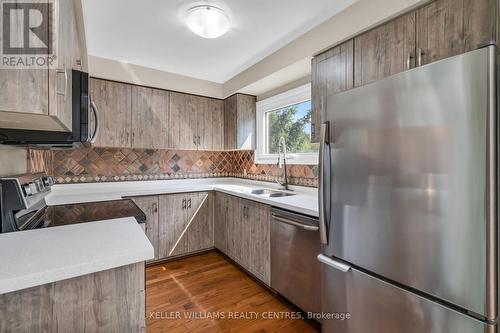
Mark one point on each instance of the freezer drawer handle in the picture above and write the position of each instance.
(334, 263)
(296, 224)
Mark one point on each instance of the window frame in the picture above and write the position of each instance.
(287, 98)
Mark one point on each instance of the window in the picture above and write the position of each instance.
(286, 115)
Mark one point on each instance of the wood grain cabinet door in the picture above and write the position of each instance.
(239, 122)
(220, 217)
(69, 57)
(185, 223)
(183, 122)
(234, 228)
(447, 28)
(261, 244)
(230, 105)
(255, 240)
(332, 72)
(200, 229)
(150, 115)
(171, 225)
(23, 90)
(114, 101)
(149, 205)
(203, 123)
(385, 50)
(216, 123)
(245, 125)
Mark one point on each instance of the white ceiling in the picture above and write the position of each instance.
(152, 33)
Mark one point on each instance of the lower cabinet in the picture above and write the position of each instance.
(178, 224)
(112, 300)
(242, 232)
(149, 205)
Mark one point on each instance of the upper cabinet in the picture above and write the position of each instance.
(69, 56)
(384, 51)
(196, 122)
(332, 72)
(230, 124)
(40, 98)
(210, 124)
(114, 102)
(150, 113)
(449, 27)
(141, 117)
(438, 30)
(183, 126)
(239, 121)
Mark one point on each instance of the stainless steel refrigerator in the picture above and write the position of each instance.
(408, 201)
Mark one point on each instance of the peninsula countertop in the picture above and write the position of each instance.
(35, 257)
(305, 200)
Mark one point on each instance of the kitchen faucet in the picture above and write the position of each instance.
(282, 162)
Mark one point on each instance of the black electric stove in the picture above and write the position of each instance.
(23, 207)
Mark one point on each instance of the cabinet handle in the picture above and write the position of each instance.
(183, 203)
(408, 60)
(155, 207)
(419, 57)
(199, 140)
(65, 72)
(194, 139)
(189, 203)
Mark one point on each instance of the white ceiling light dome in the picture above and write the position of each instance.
(207, 21)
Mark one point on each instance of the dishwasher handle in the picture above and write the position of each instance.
(295, 223)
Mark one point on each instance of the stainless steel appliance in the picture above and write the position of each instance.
(23, 207)
(85, 122)
(295, 272)
(408, 200)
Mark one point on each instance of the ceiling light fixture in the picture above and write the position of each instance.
(207, 21)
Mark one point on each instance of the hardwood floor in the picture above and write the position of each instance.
(208, 286)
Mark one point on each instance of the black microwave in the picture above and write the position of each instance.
(85, 122)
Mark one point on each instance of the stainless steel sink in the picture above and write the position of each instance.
(281, 194)
(271, 193)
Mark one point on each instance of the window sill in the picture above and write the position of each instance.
(302, 159)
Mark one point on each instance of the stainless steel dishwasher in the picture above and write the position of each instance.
(295, 271)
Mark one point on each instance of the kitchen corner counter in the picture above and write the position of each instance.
(40, 256)
(305, 201)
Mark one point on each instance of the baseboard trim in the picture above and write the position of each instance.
(179, 257)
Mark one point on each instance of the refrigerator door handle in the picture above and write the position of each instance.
(323, 186)
(334, 263)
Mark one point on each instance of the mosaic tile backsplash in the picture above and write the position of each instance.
(123, 164)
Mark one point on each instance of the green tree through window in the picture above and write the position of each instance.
(294, 123)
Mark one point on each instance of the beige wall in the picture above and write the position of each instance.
(286, 87)
(120, 71)
(12, 160)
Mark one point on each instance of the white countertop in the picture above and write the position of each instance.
(305, 201)
(36, 257)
